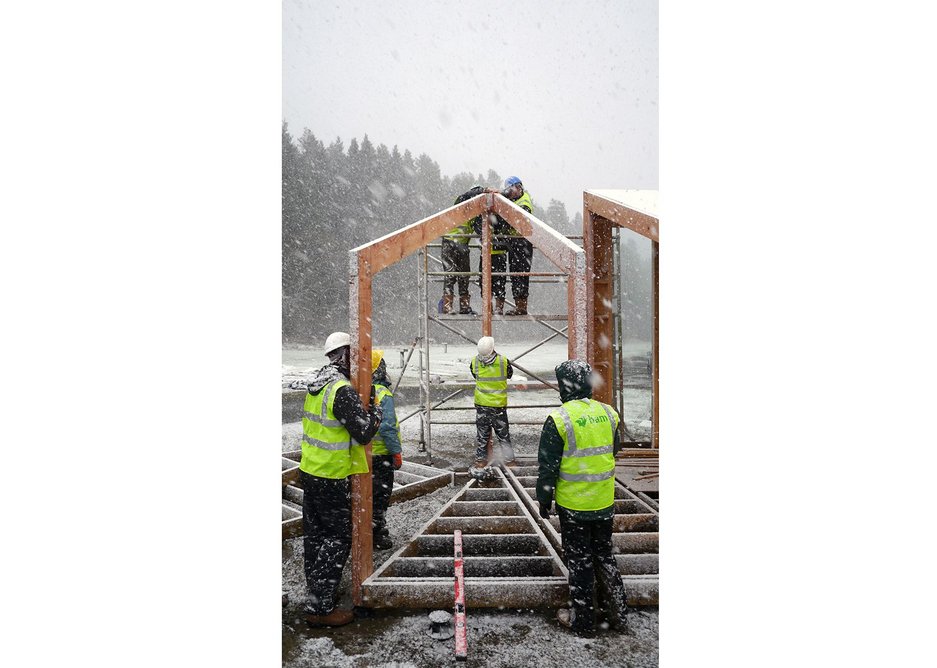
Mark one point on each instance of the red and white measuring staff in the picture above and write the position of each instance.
(461, 642)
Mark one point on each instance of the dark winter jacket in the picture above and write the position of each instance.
(472, 226)
(574, 383)
(389, 426)
(361, 424)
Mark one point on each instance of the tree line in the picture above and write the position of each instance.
(336, 198)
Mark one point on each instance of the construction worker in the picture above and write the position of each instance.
(491, 372)
(520, 250)
(455, 257)
(577, 460)
(334, 424)
(386, 453)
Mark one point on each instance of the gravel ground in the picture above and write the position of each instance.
(507, 638)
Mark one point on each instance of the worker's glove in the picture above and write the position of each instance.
(545, 510)
(377, 411)
(398, 460)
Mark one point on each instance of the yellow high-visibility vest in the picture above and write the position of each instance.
(326, 442)
(587, 470)
(491, 384)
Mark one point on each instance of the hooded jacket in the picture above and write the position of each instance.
(574, 383)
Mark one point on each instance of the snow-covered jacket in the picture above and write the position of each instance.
(361, 424)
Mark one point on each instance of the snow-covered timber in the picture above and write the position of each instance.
(365, 261)
(410, 481)
(508, 560)
(635, 537)
(635, 210)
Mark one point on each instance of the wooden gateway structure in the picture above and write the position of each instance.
(589, 318)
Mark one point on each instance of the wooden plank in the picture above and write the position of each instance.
(644, 224)
(484, 508)
(479, 592)
(484, 494)
(292, 528)
(481, 525)
(415, 489)
(290, 476)
(395, 246)
(405, 478)
(638, 564)
(294, 494)
(603, 330)
(486, 567)
(486, 272)
(635, 543)
(422, 469)
(362, 558)
(477, 545)
(655, 368)
(639, 522)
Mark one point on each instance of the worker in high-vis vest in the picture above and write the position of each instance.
(576, 462)
(386, 452)
(335, 424)
(520, 250)
(491, 372)
(455, 258)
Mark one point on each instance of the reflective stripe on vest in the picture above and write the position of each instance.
(325, 441)
(378, 447)
(587, 470)
(491, 383)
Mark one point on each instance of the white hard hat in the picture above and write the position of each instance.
(486, 346)
(335, 341)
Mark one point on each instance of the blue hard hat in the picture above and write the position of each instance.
(510, 181)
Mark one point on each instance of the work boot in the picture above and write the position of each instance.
(447, 304)
(499, 306)
(520, 308)
(337, 617)
(465, 305)
(382, 542)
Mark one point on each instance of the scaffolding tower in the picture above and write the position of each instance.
(426, 274)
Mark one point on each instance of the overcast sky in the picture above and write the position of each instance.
(561, 94)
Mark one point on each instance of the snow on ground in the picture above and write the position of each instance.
(506, 638)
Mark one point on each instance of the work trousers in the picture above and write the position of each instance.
(499, 262)
(520, 257)
(455, 257)
(488, 418)
(587, 551)
(326, 537)
(382, 484)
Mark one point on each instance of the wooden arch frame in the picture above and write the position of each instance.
(599, 213)
(367, 260)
